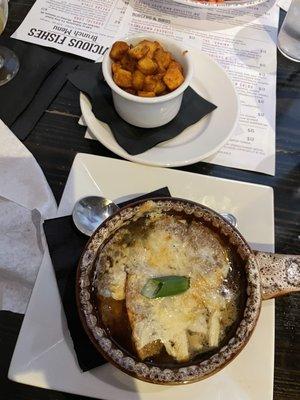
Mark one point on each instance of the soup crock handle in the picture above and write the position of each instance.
(279, 273)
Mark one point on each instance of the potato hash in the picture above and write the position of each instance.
(146, 69)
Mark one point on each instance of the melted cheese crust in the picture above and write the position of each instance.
(184, 324)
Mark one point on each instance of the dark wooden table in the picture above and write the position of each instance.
(57, 138)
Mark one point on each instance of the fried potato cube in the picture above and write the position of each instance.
(158, 45)
(152, 47)
(153, 83)
(176, 64)
(149, 83)
(138, 80)
(164, 92)
(160, 87)
(160, 75)
(115, 66)
(147, 66)
(173, 77)
(123, 78)
(138, 51)
(142, 93)
(128, 63)
(162, 58)
(130, 90)
(118, 50)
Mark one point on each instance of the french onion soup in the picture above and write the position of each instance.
(168, 287)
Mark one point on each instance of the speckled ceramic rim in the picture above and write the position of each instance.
(143, 370)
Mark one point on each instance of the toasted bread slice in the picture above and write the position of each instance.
(150, 350)
(141, 331)
(147, 317)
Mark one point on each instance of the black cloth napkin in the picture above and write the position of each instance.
(66, 244)
(41, 76)
(133, 139)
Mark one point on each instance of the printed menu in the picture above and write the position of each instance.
(83, 27)
(242, 41)
(284, 4)
(244, 44)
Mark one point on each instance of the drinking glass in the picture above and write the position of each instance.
(289, 35)
(9, 63)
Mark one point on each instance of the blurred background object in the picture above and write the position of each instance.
(289, 34)
(9, 63)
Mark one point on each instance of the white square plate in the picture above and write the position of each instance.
(44, 355)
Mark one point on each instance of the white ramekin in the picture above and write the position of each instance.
(155, 111)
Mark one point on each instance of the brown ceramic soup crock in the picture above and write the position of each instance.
(266, 276)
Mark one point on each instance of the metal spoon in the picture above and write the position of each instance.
(229, 218)
(89, 212)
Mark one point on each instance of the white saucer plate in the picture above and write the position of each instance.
(196, 142)
(44, 354)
